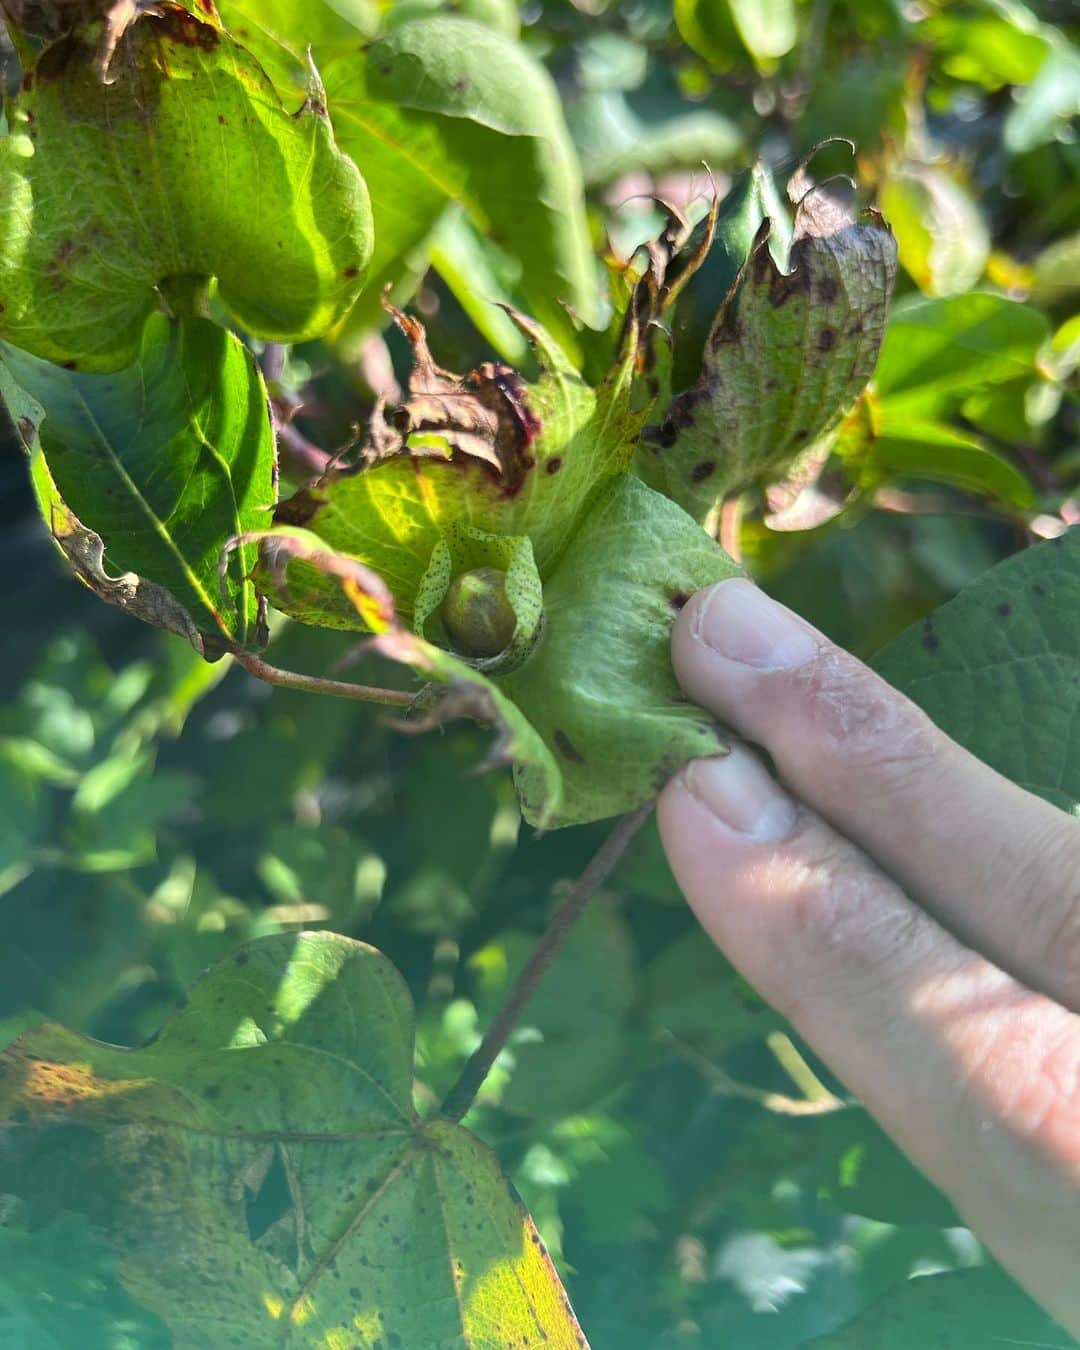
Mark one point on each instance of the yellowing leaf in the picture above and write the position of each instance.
(292, 1060)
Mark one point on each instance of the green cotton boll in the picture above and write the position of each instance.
(791, 347)
(477, 613)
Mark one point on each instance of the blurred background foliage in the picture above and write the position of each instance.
(684, 1159)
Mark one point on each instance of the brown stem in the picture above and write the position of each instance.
(463, 1093)
(315, 684)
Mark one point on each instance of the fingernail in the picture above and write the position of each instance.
(739, 791)
(739, 621)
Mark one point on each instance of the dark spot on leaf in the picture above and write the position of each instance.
(801, 435)
(705, 469)
(784, 287)
(828, 289)
(213, 1091)
(223, 121)
(1004, 609)
(1039, 590)
(351, 271)
(930, 639)
(826, 339)
(566, 747)
(187, 31)
(242, 958)
(553, 465)
(459, 86)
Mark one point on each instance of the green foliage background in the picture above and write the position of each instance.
(156, 811)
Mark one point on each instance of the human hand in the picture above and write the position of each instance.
(914, 915)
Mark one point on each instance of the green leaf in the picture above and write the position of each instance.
(261, 1174)
(599, 686)
(164, 460)
(863, 1172)
(936, 352)
(572, 1043)
(980, 1307)
(691, 991)
(787, 354)
(1007, 643)
(753, 199)
(88, 1308)
(445, 110)
(943, 241)
(768, 28)
(880, 447)
(500, 15)
(279, 34)
(186, 166)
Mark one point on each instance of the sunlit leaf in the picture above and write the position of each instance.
(185, 166)
(939, 351)
(160, 462)
(942, 239)
(445, 110)
(260, 1173)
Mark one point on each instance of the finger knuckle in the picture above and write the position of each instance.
(854, 917)
(858, 717)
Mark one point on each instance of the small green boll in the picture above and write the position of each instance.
(477, 613)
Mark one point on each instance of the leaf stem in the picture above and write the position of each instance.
(462, 1095)
(316, 684)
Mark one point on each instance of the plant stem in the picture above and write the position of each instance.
(315, 684)
(461, 1096)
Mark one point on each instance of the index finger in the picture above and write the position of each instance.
(997, 865)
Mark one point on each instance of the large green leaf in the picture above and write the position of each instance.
(444, 109)
(261, 1173)
(998, 668)
(186, 165)
(879, 445)
(980, 1307)
(937, 352)
(599, 686)
(161, 462)
(788, 352)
